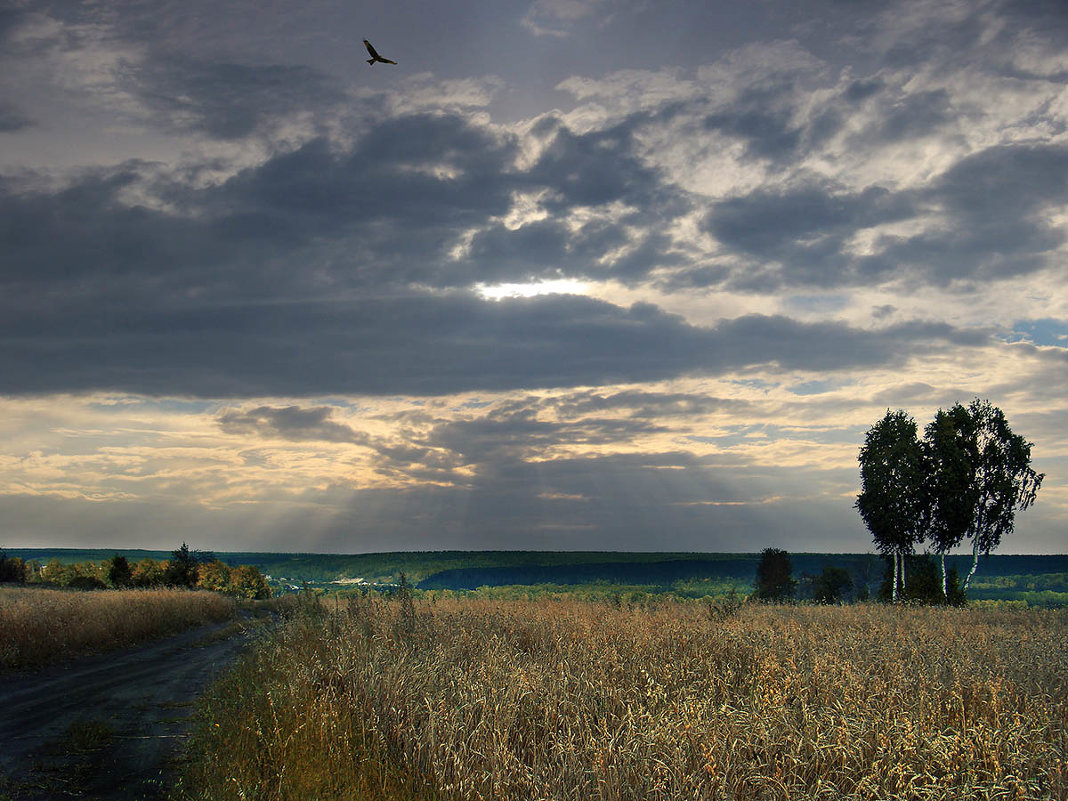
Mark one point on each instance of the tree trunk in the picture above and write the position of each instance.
(975, 562)
(897, 574)
(903, 557)
(945, 583)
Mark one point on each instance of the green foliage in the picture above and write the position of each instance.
(773, 576)
(832, 586)
(148, 573)
(247, 582)
(182, 569)
(967, 478)
(12, 569)
(118, 572)
(923, 583)
(893, 501)
(214, 576)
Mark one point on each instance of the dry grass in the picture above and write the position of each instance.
(559, 700)
(38, 626)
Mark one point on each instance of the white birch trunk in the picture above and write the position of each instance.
(897, 574)
(945, 582)
(903, 574)
(975, 562)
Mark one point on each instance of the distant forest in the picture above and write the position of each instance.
(1035, 578)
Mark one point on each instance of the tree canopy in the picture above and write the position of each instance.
(967, 478)
(773, 576)
(894, 500)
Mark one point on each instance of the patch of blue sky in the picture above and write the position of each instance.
(126, 403)
(747, 434)
(1047, 331)
(817, 387)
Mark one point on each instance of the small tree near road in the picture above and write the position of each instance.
(182, 569)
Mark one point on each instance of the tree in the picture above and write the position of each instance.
(967, 479)
(147, 573)
(894, 501)
(773, 579)
(247, 582)
(832, 585)
(181, 570)
(117, 572)
(949, 484)
(924, 584)
(1001, 480)
(12, 568)
(214, 576)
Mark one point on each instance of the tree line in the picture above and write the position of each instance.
(775, 581)
(186, 568)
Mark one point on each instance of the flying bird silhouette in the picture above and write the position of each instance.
(374, 55)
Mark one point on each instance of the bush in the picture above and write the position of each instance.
(832, 586)
(12, 569)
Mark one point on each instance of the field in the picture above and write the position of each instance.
(38, 626)
(555, 699)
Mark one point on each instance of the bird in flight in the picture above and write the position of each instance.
(374, 55)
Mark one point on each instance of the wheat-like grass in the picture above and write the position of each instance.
(559, 700)
(38, 626)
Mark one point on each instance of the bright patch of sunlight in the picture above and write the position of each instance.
(561, 286)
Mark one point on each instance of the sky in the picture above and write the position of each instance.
(571, 275)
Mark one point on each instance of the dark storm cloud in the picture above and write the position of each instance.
(228, 100)
(907, 117)
(515, 432)
(11, 119)
(325, 269)
(995, 201)
(501, 254)
(415, 344)
(10, 18)
(763, 116)
(384, 212)
(419, 170)
(595, 168)
(805, 229)
(289, 422)
(376, 214)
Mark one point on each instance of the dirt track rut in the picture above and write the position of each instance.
(108, 727)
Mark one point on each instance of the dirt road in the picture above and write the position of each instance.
(109, 726)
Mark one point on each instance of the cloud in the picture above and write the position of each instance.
(289, 422)
(417, 343)
(229, 100)
(559, 17)
(11, 119)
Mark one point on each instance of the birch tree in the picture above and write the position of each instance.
(950, 483)
(1000, 479)
(894, 500)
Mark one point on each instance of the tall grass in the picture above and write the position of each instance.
(38, 626)
(560, 700)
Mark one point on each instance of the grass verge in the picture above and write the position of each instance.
(39, 626)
